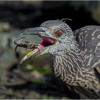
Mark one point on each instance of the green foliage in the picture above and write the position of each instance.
(0, 30)
(39, 82)
(42, 71)
(1, 97)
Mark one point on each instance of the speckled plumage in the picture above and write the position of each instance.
(80, 67)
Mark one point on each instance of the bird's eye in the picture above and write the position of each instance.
(59, 33)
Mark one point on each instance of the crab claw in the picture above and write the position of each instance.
(16, 47)
(19, 41)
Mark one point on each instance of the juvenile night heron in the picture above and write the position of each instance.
(75, 55)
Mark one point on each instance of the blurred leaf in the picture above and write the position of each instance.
(29, 67)
(1, 97)
(39, 81)
(0, 30)
(42, 71)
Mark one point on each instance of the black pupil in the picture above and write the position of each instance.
(59, 32)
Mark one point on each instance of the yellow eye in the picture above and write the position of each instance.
(59, 33)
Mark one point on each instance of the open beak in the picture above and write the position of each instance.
(42, 48)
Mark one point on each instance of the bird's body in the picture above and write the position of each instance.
(75, 55)
(79, 67)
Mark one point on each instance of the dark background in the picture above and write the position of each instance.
(29, 14)
(16, 81)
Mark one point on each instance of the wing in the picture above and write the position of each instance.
(88, 38)
(85, 93)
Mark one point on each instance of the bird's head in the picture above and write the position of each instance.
(57, 36)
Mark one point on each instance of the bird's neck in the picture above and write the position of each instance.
(67, 65)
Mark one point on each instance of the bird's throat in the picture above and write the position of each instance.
(66, 66)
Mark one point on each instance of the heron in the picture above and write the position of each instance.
(75, 54)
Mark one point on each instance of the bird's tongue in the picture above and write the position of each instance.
(46, 42)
